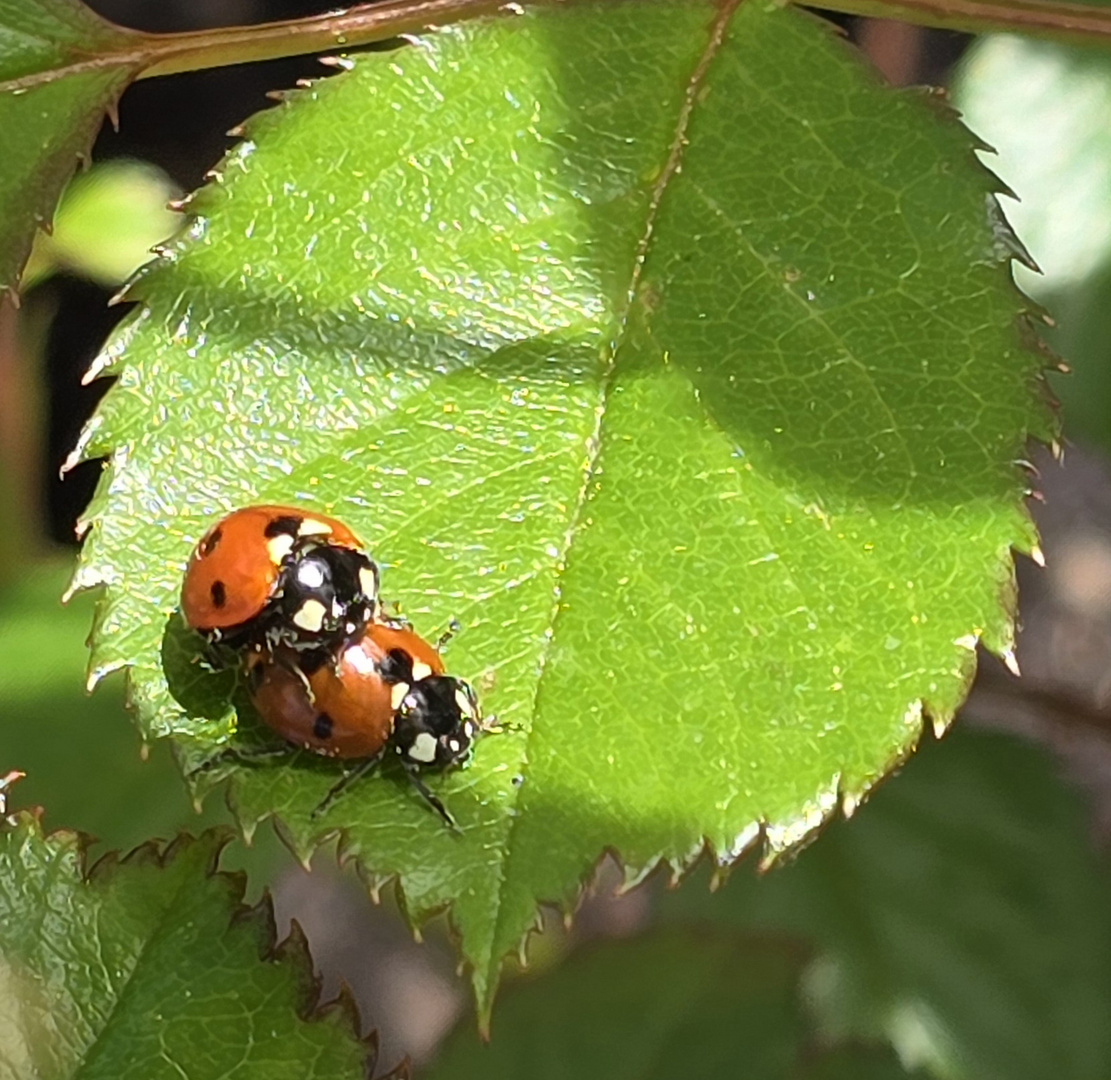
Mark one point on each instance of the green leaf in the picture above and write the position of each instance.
(962, 914)
(1043, 107)
(151, 969)
(66, 742)
(658, 346)
(673, 1004)
(53, 96)
(106, 224)
(701, 1005)
(855, 1063)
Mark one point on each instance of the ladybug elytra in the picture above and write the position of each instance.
(278, 577)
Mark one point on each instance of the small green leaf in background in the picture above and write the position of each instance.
(700, 1005)
(80, 753)
(962, 915)
(108, 220)
(655, 343)
(1043, 107)
(53, 98)
(150, 970)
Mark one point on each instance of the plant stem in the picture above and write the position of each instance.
(1077, 24)
(361, 25)
(148, 55)
(366, 23)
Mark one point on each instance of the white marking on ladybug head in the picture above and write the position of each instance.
(468, 730)
(368, 581)
(337, 609)
(397, 695)
(311, 575)
(453, 746)
(359, 660)
(310, 616)
(420, 671)
(279, 547)
(463, 700)
(423, 748)
(313, 527)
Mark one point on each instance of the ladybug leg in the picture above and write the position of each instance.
(444, 639)
(491, 725)
(343, 783)
(389, 612)
(214, 657)
(432, 799)
(242, 756)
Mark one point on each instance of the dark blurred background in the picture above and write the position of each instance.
(1044, 109)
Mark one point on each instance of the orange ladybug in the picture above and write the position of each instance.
(386, 691)
(279, 577)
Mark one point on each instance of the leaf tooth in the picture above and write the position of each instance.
(302, 852)
(1007, 244)
(789, 836)
(740, 845)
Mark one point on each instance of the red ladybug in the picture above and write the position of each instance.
(277, 576)
(387, 690)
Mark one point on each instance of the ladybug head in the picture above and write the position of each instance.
(436, 723)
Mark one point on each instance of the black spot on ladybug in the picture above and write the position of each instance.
(282, 526)
(322, 726)
(396, 666)
(219, 593)
(209, 543)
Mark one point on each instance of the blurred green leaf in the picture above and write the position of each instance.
(673, 1004)
(697, 1005)
(714, 464)
(1044, 108)
(53, 97)
(80, 753)
(108, 220)
(962, 914)
(855, 1063)
(151, 970)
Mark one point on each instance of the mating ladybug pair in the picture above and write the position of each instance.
(293, 597)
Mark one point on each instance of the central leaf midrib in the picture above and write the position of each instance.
(716, 35)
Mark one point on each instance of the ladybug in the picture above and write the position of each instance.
(276, 576)
(386, 691)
